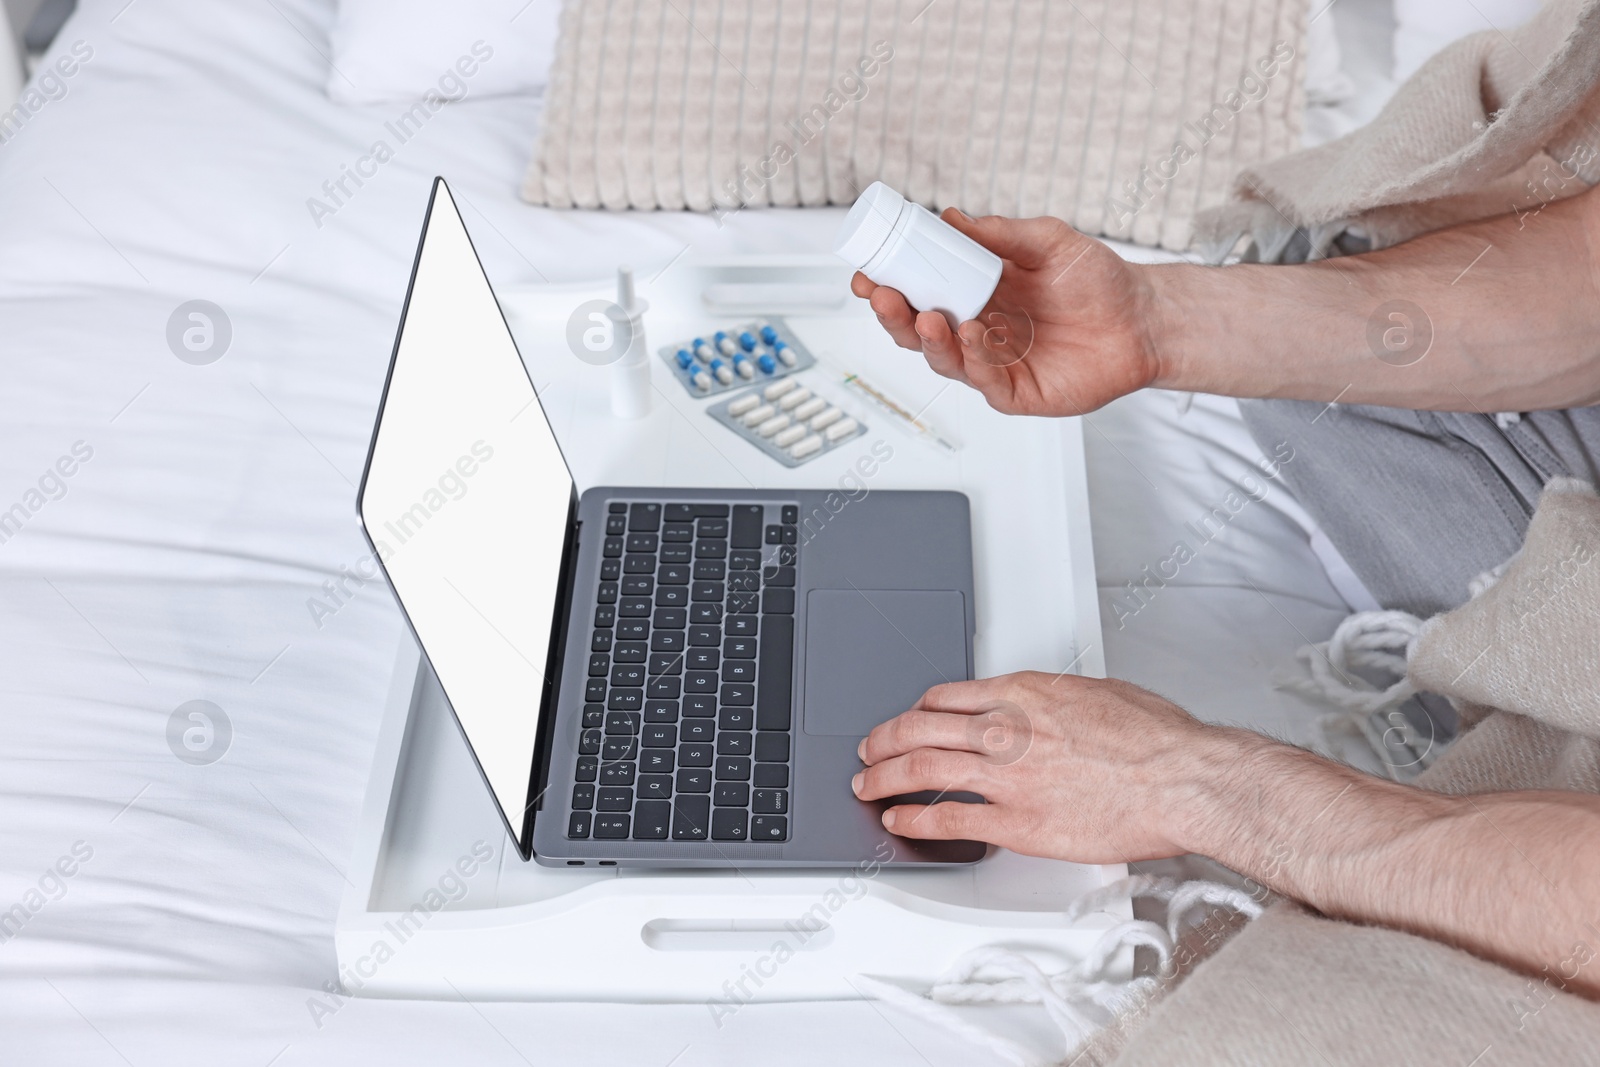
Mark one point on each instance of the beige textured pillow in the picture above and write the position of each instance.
(1121, 117)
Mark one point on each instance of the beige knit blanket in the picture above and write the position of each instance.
(1521, 661)
(1495, 123)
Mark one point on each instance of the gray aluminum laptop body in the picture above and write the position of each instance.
(870, 599)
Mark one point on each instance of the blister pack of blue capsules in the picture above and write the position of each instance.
(737, 356)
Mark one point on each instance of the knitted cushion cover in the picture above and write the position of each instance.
(1122, 118)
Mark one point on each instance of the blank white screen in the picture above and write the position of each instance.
(466, 499)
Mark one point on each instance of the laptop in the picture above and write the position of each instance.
(656, 677)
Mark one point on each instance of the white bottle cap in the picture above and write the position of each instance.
(868, 225)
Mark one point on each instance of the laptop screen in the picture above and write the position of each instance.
(466, 500)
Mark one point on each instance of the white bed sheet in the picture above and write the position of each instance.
(180, 561)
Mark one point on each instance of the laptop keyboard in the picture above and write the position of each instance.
(686, 718)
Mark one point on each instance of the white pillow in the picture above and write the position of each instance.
(1423, 27)
(401, 50)
(1326, 82)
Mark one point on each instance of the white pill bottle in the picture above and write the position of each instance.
(905, 246)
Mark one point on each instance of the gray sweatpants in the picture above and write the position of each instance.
(1419, 502)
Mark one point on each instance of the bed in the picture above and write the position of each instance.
(209, 502)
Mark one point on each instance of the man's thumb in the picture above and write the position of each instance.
(1026, 242)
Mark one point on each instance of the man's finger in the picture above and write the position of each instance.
(1029, 243)
(940, 347)
(925, 768)
(861, 285)
(917, 729)
(896, 316)
(964, 698)
(949, 820)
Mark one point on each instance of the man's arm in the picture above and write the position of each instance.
(1498, 315)
(1102, 771)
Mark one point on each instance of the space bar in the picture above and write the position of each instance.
(775, 672)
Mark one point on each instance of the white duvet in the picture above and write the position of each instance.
(156, 908)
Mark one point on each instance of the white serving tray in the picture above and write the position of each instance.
(437, 903)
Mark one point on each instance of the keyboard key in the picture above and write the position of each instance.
(735, 742)
(682, 553)
(712, 591)
(774, 534)
(610, 570)
(700, 682)
(742, 626)
(605, 615)
(672, 596)
(619, 748)
(690, 818)
(644, 518)
(578, 825)
(615, 798)
(710, 549)
(746, 529)
(651, 820)
(698, 729)
(642, 542)
(704, 636)
(732, 768)
(772, 775)
(791, 514)
(638, 564)
(744, 582)
(655, 786)
(617, 507)
(583, 797)
(685, 512)
(661, 711)
(743, 603)
(735, 719)
(599, 664)
(616, 524)
(671, 618)
(665, 662)
(658, 761)
(703, 658)
(742, 694)
(589, 742)
(731, 794)
(777, 600)
(770, 801)
(710, 570)
(791, 535)
(697, 755)
(630, 652)
(627, 674)
(587, 769)
(769, 828)
(779, 576)
(601, 641)
(664, 689)
(729, 824)
(787, 555)
(694, 780)
(611, 547)
(622, 724)
(633, 630)
(625, 700)
(616, 773)
(744, 561)
(772, 747)
(712, 528)
(639, 585)
(594, 690)
(611, 826)
(740, 670)
(776, 677)
(667, 641)
(633, 607)
(607, 593)
(673, 574)
(700, 706)
(594, 716)
(677, 533)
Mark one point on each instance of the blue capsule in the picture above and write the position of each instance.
(742, 367)
(767, 364)
(684, 358)
(769, 335)
(747, 341)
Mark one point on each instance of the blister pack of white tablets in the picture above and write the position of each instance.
(728, 359)
(788, 421)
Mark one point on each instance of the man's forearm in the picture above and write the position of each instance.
(1513, 877)
(1499, 315)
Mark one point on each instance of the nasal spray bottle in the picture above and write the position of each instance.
(630, 375)
(905, 246)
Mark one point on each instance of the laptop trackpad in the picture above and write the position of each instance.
(870, 653)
